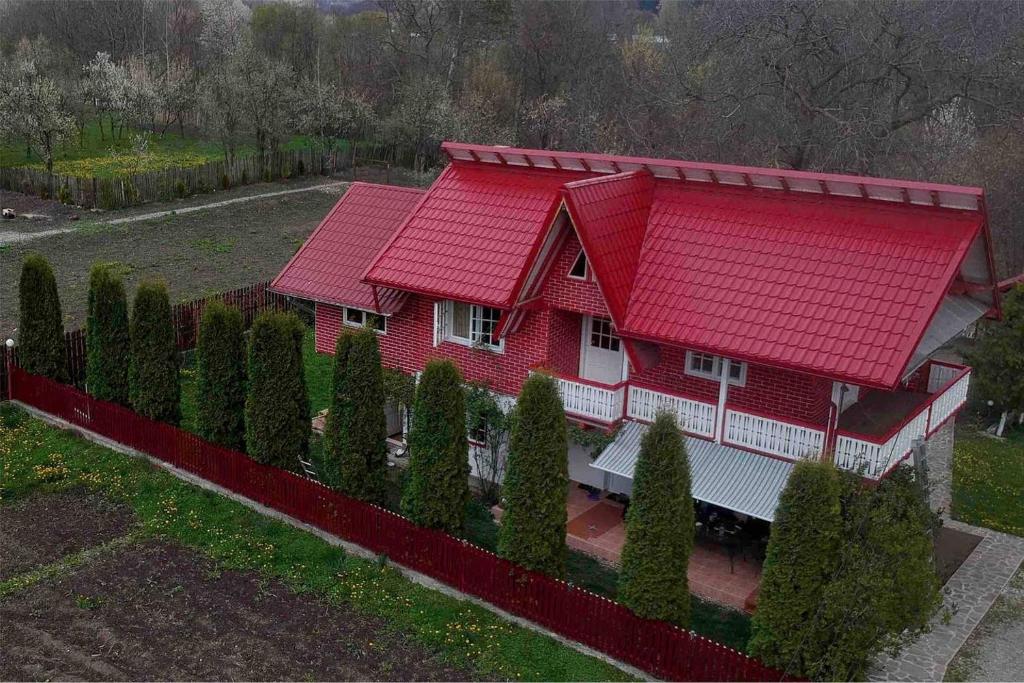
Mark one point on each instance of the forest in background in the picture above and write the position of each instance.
(923, 90)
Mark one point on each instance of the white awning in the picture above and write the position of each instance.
(728, 477)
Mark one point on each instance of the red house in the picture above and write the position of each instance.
(778, 314)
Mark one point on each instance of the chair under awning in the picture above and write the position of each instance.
(720, 475)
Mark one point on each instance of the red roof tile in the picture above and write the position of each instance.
(832, 286)
(329, 265)
(473, 235)
(614, 211)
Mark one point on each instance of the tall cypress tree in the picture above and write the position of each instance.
(108, 344)
(154, 386)
(886, 589)
(537, 483)
(220, 370)
(659, 528)
(339, 414)
(364, 457)
(803, 554)
(277, 421)
(438, 487)
(40, 325)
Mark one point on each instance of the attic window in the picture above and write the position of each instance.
(579, 267)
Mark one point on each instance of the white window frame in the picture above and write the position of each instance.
(476, 318)
(364, 315)
(586, 267)
(716, 373)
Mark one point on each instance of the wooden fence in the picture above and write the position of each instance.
(129, 190)
(654, 646)
(251, 300)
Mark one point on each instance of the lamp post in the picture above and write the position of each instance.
(10, 366)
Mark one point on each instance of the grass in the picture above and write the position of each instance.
(988, 477)
(727, 626)
(38, 458)
(93, 154)
(97, 154)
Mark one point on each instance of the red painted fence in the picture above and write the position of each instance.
(664, 650)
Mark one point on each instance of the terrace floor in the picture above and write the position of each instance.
(596, 527)
(880, 411)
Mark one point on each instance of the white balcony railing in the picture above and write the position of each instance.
(774, 437)
(876, 456)
(695, 417)
(592, 400)
(948, 402)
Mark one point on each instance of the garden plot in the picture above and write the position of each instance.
(156, 610)
(42, 529)
(196, 254)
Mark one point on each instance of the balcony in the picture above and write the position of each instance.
(872, 435)
(878, 432)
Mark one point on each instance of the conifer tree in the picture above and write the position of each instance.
(108, 344)
(803, 555)
(339, 412)
(438, 487)
(220, 373)
(154, 386)
(277, 421)
(537, 482)
(886, 588)
(364, 455)
(40, 325)
(659, 528)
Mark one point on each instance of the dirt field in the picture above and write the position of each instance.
(196, 253)
(155, 610)
(43, 529)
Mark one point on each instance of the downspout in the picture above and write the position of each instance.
(723, 394)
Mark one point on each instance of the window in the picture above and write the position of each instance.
(357, 318)
(579, 267)
(710, 367)
(601, 334)
(472, 325)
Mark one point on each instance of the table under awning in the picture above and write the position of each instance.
(720, 475)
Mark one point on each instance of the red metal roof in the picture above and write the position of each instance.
(473, 235)
(826, 285)
(614, 209)
(827, 274)
(329, 265)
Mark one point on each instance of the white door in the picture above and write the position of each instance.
(601, 351)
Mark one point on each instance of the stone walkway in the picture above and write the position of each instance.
(969, 593)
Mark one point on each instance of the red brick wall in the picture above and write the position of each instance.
(570, 294)
(564, 342)
(770, 390)
(408, 345)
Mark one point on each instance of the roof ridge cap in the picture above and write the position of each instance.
(597, 180)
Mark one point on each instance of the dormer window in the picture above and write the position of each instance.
(579, 270)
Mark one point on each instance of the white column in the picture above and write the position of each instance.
(723, 393)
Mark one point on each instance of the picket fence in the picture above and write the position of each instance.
(250, 300)
(167, 184)
(663, 650)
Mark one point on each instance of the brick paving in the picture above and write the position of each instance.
(970, 592)
(711, 574)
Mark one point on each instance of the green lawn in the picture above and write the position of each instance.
(96, 154)
(35, 457)
(988, 478)
(724, 625)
